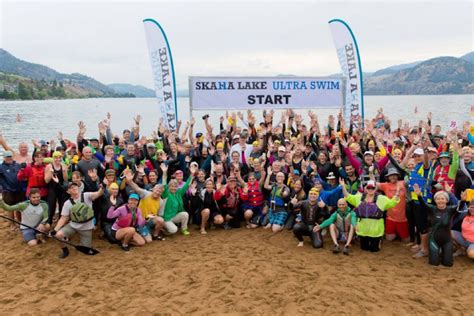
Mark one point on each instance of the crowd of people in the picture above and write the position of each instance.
(366, 182)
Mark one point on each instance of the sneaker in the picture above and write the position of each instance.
(459, 252)
(185, 232)
(346, 250)
(227, 226)
(420, 254)
(64, 253)
(336, 249)
(125, 247)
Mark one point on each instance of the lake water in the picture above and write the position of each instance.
(44, 119)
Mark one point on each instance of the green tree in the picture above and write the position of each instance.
(23, 92)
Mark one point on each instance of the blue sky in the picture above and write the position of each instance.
(106, 39)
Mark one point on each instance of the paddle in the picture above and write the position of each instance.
(83, 249)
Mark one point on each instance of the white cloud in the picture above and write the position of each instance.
(106, 40)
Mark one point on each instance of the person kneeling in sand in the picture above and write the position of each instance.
(341, 226)
(312, 213)
(174, 212)
(128, 221)
(209, 213)
(77, 216)
(34, 213)
(151, 206)
(279, 193)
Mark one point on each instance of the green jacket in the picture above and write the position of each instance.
(174, 202)
(339, 215)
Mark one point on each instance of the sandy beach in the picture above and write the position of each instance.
(228, 272)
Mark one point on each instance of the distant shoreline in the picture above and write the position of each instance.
(180, 97)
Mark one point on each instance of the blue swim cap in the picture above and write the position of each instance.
(134, 196)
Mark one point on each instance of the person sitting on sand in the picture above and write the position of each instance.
(279, 193)
(369, 208)
(150, 206)
(312, 213)
(227, 196)
(209, 211)
(77, 216)
(128, 221)
(34, 213)
(252, 197)
(341, 226)
(465, 238)
(174, 201)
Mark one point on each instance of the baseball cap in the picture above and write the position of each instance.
(220, 146)
(109, 172)
(419, 151)
(281, 148)
(331, 176)
(72, 184)
(236, 136)
(43, 143)
(370, 184)
(444, 155)
(369, 152)
(7, 154)
(150, 145)
(134, 196)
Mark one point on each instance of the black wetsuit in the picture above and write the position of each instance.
(440, 243)
(310, 216)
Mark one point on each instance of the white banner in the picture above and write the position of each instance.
(163, 72)
(217, 93)
(348, 54)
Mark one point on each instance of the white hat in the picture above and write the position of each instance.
(369, 152)
(281, 148)
(419, 151)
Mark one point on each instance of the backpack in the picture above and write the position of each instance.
(80, 212)
(366, 210)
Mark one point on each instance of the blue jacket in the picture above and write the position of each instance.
(8, 179)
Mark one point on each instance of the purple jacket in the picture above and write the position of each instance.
(120, 213)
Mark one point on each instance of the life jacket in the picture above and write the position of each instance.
(442, 172)
(231, 199)
(276, 197)
(342, 219)
(255, 196)
(368, 209)
(80, 212)
(36, 180)
(129, 220)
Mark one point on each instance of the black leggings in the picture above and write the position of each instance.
(370, 243)
(410, 214)
(440, 248)
(58, 195)
(421, 218)
(302, 229)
